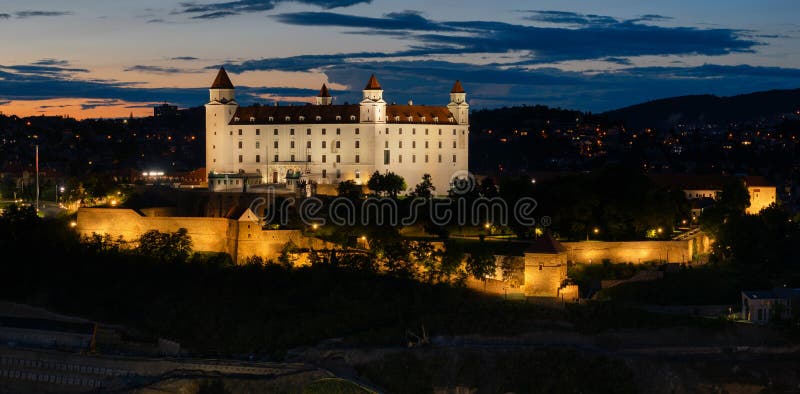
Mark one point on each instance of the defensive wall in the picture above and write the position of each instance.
(241, 238)
(637, 252)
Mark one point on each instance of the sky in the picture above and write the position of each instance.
(114, 58)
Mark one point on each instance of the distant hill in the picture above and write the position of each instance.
(704, 109)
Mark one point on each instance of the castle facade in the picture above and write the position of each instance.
(329, 143)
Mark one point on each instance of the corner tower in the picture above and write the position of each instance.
(324, 97)
(220, 109)
(373, 108)
(458, 104)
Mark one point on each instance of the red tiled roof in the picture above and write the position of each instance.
(222, 81)
(756, 180)
(545, 244)
(457, 88)
(373, 84)
(279, 114)
(324, 91)
(401, 113)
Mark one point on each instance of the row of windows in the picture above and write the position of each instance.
(338, 144)
(324, 158)
(291, 132)
(339, 131)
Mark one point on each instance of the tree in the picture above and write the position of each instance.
(389, 184)
(173, 247)
(349, 189)
(425, 188)
(481, 262)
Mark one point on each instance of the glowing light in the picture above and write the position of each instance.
(596, 230)
(113, 203)
(315, 226)
(73, 224)
(487, 225)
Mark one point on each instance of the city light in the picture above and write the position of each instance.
(73, 224)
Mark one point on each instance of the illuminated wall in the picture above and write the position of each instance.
(240, 238)
(760, 198)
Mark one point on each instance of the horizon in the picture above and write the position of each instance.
(95, 59)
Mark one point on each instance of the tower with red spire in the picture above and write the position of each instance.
(220, 109)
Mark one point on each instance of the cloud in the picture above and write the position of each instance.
(159, 69)
(184, 58)
(156, 20)
(596, 36)
(31, 13)
(5, 16)
(406, 20)
(237, 7)
(92, 104)
(572, 18)
(5, 102)
(51, 62)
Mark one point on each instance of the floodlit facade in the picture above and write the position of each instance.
(329, 143)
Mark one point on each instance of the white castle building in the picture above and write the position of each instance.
(327, 143)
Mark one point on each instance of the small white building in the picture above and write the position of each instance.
(763, 306)
(330, 143)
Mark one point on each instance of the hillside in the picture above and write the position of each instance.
(705, 109)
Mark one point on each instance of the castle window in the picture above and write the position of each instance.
(454, 144)
(240, 144)
(541, 266)
(271, 119)
(358, 174)
(426, 158)
(230, 132)
(324, 173)
(258, 158)
(275, 144)
(454, 131)
(400, 131)
(435, 119)
(400, 158)
(426, 131)
(323, 131)
(291, 131)
(338, 117)
(291, 144)
(440, 144)
(241, 158)
(352, 117)
(454, 158)
(358, 144)
(235, 118)
(386, 144)
(240, 131)
(338, 158)
(308, 144)
(422, 119)
(410, 118)
(426, 144)
(450, 119)
(324, 158)
(413, 158)
(324, 144)
(275, 158)
(440, 158)
(357, 131)
(440, 131)
(252, 119)
(338, 131)
(292, 158)
(396, 118)
(308, 158)
(258, 131)
(358, 159)
(400, 144)
(288, 118)
(302, 118)
(413, 144)
(308, 131)
(275, 132)
(318, 118)
(413, 131)
(213, 147)
(338, 144)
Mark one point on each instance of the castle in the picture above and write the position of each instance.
(330, 143)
